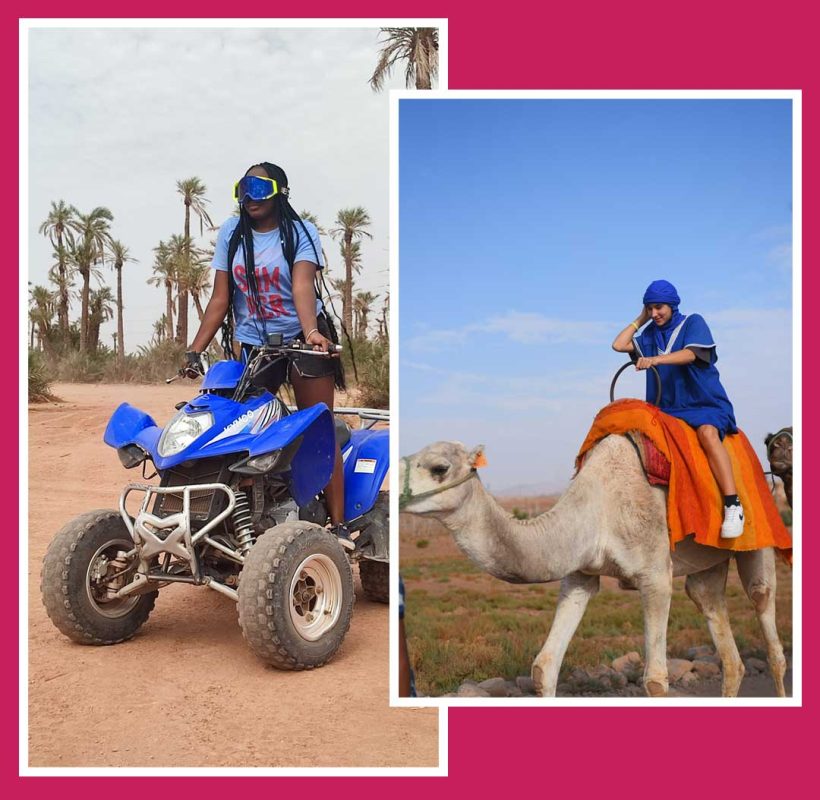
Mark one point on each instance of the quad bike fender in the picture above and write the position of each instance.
(366, 466)
(129, 425)
(312, 465)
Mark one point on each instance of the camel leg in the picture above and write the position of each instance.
(576, 590)
(757, 574)
(707, 590)
(656, 597)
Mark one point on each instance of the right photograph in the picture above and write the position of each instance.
(597, 310)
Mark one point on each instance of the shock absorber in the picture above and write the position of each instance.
(242, 526)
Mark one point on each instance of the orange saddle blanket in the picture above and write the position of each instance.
(695, 503)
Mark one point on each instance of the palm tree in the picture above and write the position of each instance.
(193, 196)
(383, 320)
(417, 46)
(62, 274)
(306, 215)
(352, 223)
(183, 258)
(89, 249)
(57, 227)
(159, 331)
(164, 275)
(119, 255)
(100, 310)
(199, 282)
(362, 306)
(41, 313)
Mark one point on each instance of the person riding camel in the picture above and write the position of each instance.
(683, 351)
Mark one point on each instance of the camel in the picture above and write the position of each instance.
(779, 452)
(609, 522)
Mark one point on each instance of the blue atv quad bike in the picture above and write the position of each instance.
(238, 508)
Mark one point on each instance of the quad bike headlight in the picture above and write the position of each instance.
(182, 430)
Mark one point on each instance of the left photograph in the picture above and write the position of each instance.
(208, 396)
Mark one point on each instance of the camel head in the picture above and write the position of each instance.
(779, 450)
(438, 477)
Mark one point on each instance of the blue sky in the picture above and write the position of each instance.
(529, 230)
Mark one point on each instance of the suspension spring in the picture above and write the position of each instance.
(242, 526)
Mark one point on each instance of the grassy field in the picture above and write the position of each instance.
(462, 623)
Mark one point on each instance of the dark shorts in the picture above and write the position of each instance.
(305, 364)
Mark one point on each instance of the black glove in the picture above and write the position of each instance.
(193, 365)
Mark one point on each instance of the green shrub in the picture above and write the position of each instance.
(39, 386)
(372, 359)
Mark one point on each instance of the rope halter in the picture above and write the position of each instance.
(407, 495)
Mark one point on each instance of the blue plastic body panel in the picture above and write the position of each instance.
(223, 375)
(369, 449)
(129, 425)
(231, 435)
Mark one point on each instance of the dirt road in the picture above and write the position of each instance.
(187, 691)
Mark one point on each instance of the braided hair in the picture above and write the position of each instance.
(291, 228)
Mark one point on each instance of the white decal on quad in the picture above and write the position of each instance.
(237, 426)
(365, 465)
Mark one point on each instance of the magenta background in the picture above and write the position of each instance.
(631, 752)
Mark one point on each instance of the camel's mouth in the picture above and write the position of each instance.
(781, 466)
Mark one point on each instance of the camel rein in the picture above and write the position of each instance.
(406, 495)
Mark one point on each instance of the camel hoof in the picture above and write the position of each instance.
(656, 688)
(538, 680)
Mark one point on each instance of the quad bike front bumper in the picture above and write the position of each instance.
(154, 536)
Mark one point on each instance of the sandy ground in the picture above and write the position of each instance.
(186, 691)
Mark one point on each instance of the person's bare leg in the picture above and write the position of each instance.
(718, 457)
(309, 392)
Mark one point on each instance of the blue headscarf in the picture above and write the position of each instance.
(663, 292)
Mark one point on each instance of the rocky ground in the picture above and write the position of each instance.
(698, 675)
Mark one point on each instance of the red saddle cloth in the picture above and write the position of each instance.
(671, 454)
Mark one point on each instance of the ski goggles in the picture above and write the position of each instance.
(252, 187)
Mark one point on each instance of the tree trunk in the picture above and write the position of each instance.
(86, 273)
(182, 317)
(120, 344)
(182, 311)
(347, 297)
(169, 310)
(62, 310)
(93, 336)
(199, 310)
(45, 341)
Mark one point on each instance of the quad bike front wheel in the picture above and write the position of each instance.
(295, 596)
(83, 568)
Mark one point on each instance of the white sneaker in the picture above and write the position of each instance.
(732, 522)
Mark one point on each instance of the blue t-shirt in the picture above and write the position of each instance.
(276, 312)
(692, 392)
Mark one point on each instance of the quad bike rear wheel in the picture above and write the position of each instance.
(83, 568)
(375, 577)
(295, 596)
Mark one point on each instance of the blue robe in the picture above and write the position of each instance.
(692, 392)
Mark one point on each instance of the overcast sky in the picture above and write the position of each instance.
(118, 116)
(529, 230)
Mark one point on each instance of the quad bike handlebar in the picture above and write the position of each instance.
(279, 349)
